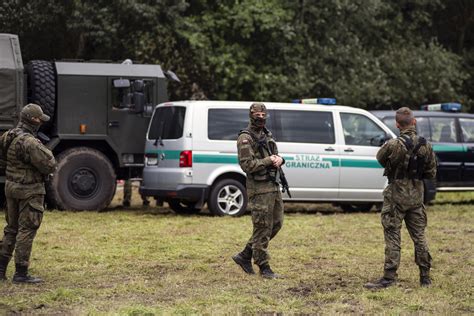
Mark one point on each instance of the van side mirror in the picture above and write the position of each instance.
(121, 83)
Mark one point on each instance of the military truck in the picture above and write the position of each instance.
(99, 117)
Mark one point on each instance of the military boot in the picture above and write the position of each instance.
(379, 284)
(21, 275)
(267, 273)
(425, 280)
(3, 268)
(244, 260)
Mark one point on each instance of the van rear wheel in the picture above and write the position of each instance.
(228, 197)
(183, 207)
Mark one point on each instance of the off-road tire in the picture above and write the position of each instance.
(84, 180)
(217, 208)
(42, 87)
(181, 207)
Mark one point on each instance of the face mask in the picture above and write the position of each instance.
(258, 122)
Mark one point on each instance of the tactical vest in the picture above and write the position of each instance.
(263, 147)
(19, 168)
(413, 164)
(7, 140)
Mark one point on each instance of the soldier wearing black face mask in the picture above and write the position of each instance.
(258, 158)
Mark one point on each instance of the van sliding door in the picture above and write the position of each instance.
(306, 140)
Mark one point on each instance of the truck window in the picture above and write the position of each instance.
(359, 129)
(126, 98)
(467, 129)
(305, 127)
(443, 129)
(167, 123)
(225, 124)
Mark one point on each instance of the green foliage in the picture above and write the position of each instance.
(366, 53)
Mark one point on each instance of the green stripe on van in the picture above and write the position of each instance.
(450, 148)
(232, 159)
(355, 163)
(169, 154)
(200, 158)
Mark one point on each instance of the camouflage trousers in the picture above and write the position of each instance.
(415, 218)
(127, 192)
(267, 219)
(24, 217)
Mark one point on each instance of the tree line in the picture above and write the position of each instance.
(374, 54)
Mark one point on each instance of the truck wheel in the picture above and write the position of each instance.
(228, 197)
(181, 207)
(83, 180)
(42, 87)
(357, 207)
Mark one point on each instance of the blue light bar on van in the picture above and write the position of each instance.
(325, 101)
(445, 107)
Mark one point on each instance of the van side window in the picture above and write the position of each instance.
(467, 129)
(305, 127)
(225, 124)
(167, 123)
(359, 129)
(390, 122)
(423, 127)
(443, 129)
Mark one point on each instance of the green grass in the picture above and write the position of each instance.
(146, 261)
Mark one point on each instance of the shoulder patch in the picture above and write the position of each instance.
(245, 141)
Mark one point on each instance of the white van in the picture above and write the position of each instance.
(191, 154)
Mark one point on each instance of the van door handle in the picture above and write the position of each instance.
(114, 124)
(349, 150)
(329, 149)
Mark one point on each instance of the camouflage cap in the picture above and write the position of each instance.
(33, 110)
(257, 107)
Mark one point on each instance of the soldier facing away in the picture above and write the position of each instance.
(28, 162)
(407, 160)
(258, 158)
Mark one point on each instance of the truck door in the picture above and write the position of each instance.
(361, 175)
(307, 141)
(467, 134)
(127, 124)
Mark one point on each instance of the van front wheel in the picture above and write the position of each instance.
(228, 197)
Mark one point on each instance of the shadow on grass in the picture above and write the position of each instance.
(462, 202)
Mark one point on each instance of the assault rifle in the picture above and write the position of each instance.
(280, 174)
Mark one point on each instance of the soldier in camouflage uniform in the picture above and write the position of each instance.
(258, 158)
(403, 197)
(28, 162)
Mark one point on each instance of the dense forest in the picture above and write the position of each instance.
(366, 53)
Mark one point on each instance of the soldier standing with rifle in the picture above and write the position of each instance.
(28, 163)
(407, 160)
(258, 158)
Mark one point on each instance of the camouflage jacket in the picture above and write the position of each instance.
(392, 156)
(28, 161)
(256, 162)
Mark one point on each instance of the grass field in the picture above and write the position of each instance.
(144, 261)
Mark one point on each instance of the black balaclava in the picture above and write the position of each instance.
(257, 123)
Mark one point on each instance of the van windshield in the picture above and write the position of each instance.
(167, 123)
